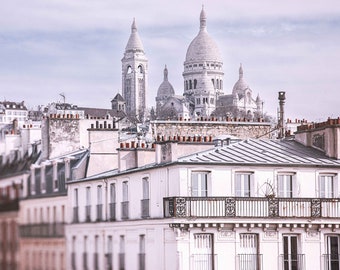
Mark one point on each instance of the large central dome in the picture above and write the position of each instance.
(203, 48)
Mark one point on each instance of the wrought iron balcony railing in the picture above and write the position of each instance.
(262, 207)
(203, 261)
(331, 261)
(125, 210)
(9, 205)
(145, 208)
(56, 230)
(99, 212)
(249, 262)
(292, 261)
(112, 211)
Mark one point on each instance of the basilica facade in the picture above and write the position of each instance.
(203, 76)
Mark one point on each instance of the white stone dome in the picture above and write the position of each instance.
(165, 89)
(203, 48)
(241, 85)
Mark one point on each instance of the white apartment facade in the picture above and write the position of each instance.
(255, 204)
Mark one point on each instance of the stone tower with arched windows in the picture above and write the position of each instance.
(134, 75)
(203, 62)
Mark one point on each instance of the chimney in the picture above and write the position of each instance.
(282, 99)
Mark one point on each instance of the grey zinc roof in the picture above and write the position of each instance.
(263, 152)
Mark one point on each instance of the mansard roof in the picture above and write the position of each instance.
(263, 152)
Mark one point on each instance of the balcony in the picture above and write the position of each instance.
(261, 207)
(55, 230)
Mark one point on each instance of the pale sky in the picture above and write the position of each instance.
(75, 47)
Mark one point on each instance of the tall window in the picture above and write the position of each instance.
(248, 252)
(95, 258)
(99, 203)
(125, 202)
(88, 204)
(292, 259)
(109, 256)
(142, 252)
(75, 206)
(112, 201)
(327, 185)
(203, 252)
(285, 185)
(121, 253)
(199, 184)
(243, 184)
(85, 264)
(145, 200)
(332, 255)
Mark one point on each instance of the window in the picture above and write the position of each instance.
(145, 200)
(248, 252)
(99, 203)
(292, 260)
(195, 83)
(199, 184)
(95, 257)
(190, 84)
(285, 185)
(112, 201)
(88, 204)
(141, 254)
(125, 202)
(242, 184)
(327, 186)
(75, 206)
(203, 256)
(332, 255)
(109, 256)
(121, 255)
(85, 265)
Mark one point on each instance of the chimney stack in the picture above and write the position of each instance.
(282, 99)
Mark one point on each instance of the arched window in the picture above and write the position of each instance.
(186, 85)
(140, 69)
(195, 83)
(213, 81)
(129, 69)
(190, 84)
(221, 84)
(217, 84)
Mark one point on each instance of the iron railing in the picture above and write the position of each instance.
(145, 207)
(109, 258)
(99, 212)
(112, 211)
(121, 261)
(141, 261)
(261, 207)
(292, 261)
(331, 261)
(85, 264)
(88, 213)
(73, 261)
(125, 210)
(203, 262)
(249, 262)
(96, 261)
(75, 214)
(9, 205)
(55, 230)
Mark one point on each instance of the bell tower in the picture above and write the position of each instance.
(134, 75)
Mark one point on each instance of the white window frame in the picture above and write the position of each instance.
(200, 183)
(327, 183)
(244, 184)
(283, 189)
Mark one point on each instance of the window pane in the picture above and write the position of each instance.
(199, 184)
(242, 185)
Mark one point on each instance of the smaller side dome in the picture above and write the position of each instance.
(240, 86)
(165, 89)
